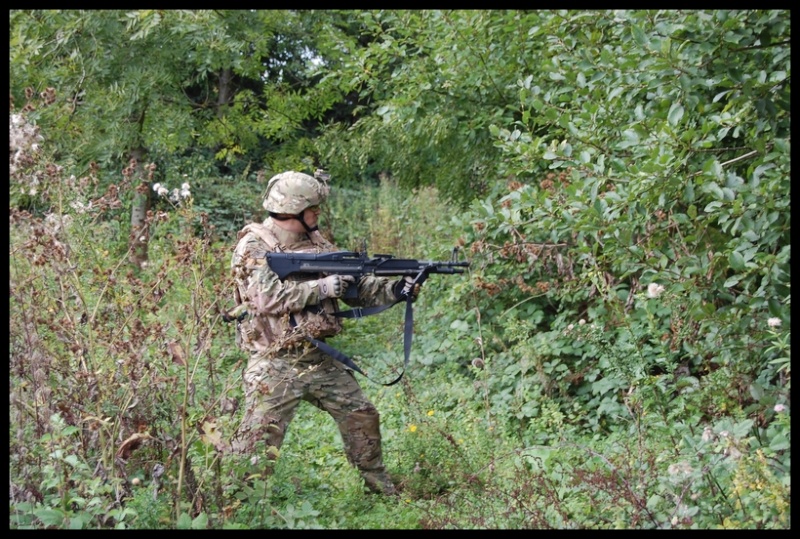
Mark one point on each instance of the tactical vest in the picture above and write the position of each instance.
(272, 333)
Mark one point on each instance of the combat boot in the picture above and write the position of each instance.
(379, 483)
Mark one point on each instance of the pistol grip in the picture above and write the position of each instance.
(352, 291)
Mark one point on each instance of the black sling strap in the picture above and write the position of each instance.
(408, 330)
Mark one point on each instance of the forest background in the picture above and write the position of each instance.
(617, 356)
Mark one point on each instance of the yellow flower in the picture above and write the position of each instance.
(412, 428)
(430, 412)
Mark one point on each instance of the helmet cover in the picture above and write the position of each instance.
(292, 192)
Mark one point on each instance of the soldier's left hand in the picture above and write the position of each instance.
(406, 286)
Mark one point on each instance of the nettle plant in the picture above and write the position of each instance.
(113, 367)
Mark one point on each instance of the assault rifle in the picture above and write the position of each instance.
(359, 264)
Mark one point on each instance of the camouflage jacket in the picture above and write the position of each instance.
(269, 301)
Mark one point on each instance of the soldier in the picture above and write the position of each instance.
(284, 367)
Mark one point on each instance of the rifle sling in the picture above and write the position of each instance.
(408, 330)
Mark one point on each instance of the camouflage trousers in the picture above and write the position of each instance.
(274, 388)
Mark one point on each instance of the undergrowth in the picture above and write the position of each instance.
(125, 384)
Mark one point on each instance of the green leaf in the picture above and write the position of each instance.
(200, 522)
(732, 281)
(675, 114)
(750, 235)
(779, 443)
(688, 192)
(50, 517)
(720, 96)
(77, 522)
(184, 522)
(639, 36)
(713, 168)
(775, 307)
(600, 167)
(736, 261)
(631, 137)
(459, 325)
(715, 190)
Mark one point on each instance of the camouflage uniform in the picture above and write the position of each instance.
(284, 368)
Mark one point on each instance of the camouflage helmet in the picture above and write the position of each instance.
(292, 192)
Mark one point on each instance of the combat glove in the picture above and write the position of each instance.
(334, 286)
(406, 286)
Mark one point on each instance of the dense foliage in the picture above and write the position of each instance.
(617, 357)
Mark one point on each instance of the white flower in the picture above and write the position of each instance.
(52, 219)
(679, 468)
(185, 193)
(654, 290)
(570, 327)
(162, 191)
(185, 186)
(581, 322)
(779, 408)
(156, 187)
(774, 322)
(732, 452)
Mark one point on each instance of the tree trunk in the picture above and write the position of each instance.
(140, 233)
(225, 90)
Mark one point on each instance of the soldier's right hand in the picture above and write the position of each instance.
(334, 286)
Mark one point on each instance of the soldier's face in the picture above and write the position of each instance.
(311, 215)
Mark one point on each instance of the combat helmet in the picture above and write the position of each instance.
(292, 192)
